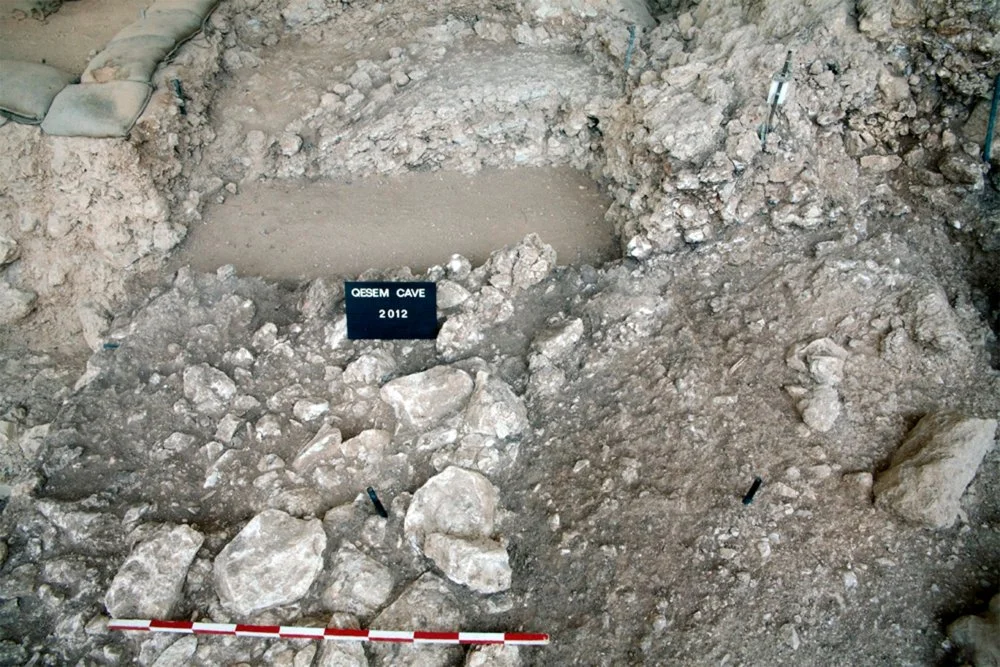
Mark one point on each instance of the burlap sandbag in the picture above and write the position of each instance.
(177, 24)
(27, 89)
(132, 59)
(97, 109)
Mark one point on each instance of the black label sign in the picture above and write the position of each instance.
(391, 311)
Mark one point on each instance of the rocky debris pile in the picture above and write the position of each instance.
(932, 468)
(823, 361)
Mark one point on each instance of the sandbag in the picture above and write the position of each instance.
(27, 89)
(177, 24)
(200, 7)
(97, 109)
(132, 59)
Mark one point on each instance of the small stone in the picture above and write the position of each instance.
(978, 637)
(450, 294)
(556, 341)
(209, 389)
(399, 78)
(930, 470)
(494, 655)
(15, 304)
(289, 144)
(271, 562)
(95, 321)
(360, 585)
(178, 654)
(371, 368)
(790, 635)
(820, 408)
(150, 581)
(494, 409)
(963, 169)
(727, 554)
(423, 399)
(426, 603)
(323, 449)
(481, 564)
(227, 427)
(9, 250)
(520, 266)
(850, 580)
(307, 411)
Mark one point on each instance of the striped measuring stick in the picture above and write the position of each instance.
(335, 634)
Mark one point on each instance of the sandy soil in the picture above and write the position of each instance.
(68, 38)
(293, 230)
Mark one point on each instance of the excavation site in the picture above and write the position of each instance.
(348, 333)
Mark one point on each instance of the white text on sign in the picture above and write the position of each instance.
(382, 292)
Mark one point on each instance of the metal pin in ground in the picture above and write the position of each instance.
(379, 507)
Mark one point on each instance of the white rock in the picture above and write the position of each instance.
(850, 579)
(227, 427)
(15, 304)
(289, 143)
(427, 604)
(481, 564)
(494, 655)
(930, 470)
(323, 449)
(520, 266)
(820, 408)
(556, 341)
(455, 502)
(371, 368)
(450, 294)
(368, 447)
(271, 562)
(209, 389)
(459, 335)
(494, 409)
(360, 585)
(307, 411)
(178, 654)
(95, 321)
(150, 581)
(8, 250)
(423, 399)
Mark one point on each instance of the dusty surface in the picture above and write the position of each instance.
(298, 231)
(788, 313)
(70, 37)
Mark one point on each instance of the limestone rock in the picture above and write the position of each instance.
(455, 502)
(480, 564)
(450, 294)
(820, 408)
(427, 604)
(423, 399)
(459, 336)
(15, 304)
(963, 169)
(323, 449)
(360, 584)
(932, 467)
(518, 267)
(494, 655)
(495, 409)
(209, 389)
(95, 320)
(149, 582)
(556, 341)
(178, 654)
(978, 637)
(271, 562)
(371, 368)
(9, 250)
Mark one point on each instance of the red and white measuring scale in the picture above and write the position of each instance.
(334, 634)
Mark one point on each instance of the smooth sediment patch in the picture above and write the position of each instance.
(300, 230)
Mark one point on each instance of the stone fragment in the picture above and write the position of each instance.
(371, 368)
(933, 466)
(178, 654)
(150, 581)
(342, 654)
(556, 341)
(95, 321)
(15, 304)
(881, 163)
(820, 408)
(459, 336)
(481, 564)
(9, 250)
(455, 502)
(494, 655)
(323, 449)
(520, 266)
(367, 447)
(423, 399)
(271, 562)
(209, 389)
(494, 409)
(427, 604)
(307, 410)
(450, 294)
(963, 169)
(360, 585)
(289, 143)
(978, 637)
